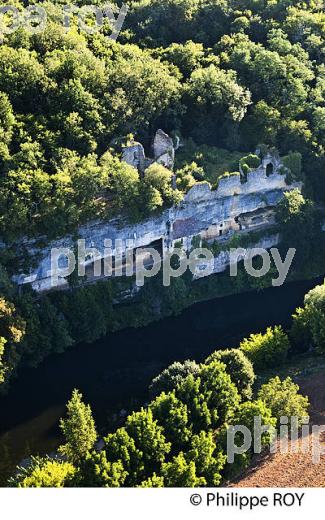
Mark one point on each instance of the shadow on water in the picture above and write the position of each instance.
(115, 372)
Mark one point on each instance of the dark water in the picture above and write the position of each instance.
(114, 372)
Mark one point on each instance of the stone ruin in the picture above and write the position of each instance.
(163, 153)
(163, 149)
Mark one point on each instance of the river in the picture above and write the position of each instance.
(114, 373)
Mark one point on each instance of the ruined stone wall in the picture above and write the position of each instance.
(257, 181)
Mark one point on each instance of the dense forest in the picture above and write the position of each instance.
(224, 76)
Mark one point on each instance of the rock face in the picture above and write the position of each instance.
(203, 212)
(220, 263)
(134, 156)
(163, 149)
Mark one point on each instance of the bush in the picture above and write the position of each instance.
(97, 471)
(300, 334)
(266, 350)
(211, 397)
(219, 391)
(249, 162)
(292, 161)
(44, 472)
(208, 457)
(244, 416)
(188, 175)
(181, 473)
(238, 367)
(309, 323)
(158, 179)
(172, 376)
(155, 481)
(172, 414)
(283, 399)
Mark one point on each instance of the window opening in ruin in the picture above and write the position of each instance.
(269, 169)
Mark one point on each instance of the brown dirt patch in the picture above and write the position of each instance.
(292, 469)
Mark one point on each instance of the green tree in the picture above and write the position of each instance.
(308, 328)
(187, 57)
(7, 119)
(139, 89)
(283, 399)
(149, 438)
(155, 481)
(169, 378)
(123, 182)
(266, 350)
(12, 330)
(213, 95)
(262, 124)
(246, 415)
(172, 414)
(97, 471)
(291, 211)
(157, 177)
(300, 333)
(211, 397)
(121, 447)
(180, 473)
(208, 457)
(296, 217)
(220, 392)
(238, 366)
(22, 77)
(78, 429)
(185, 179)
(189, 391)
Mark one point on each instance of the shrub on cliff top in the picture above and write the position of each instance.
(249, 162)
